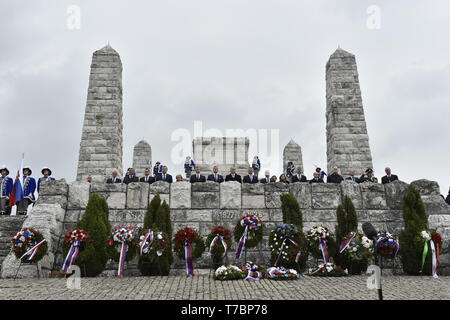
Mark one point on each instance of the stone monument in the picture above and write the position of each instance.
(222, 152)
(347, 139)
(142, 157)
(101, 139)
(292, 152)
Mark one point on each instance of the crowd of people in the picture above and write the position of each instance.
(22, 194)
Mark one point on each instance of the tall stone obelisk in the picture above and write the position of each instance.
(142, 157)
(347, 139)
(101, 139)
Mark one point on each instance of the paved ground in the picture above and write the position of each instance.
(204, 287)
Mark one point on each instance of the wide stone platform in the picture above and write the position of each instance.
(204, 287)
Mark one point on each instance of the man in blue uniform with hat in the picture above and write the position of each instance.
(6, 185)
(47, 176)
(29, 186)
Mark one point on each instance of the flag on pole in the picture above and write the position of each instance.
(17, 191)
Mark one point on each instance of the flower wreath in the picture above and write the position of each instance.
(224, 273)
(328, 270)
(152, 242)
(191, 236)
(73, 243)
(122, 235)
(387, 245)
(254, 228)
(288, 246)
(216, 240)
(432, 246)
(280, 273)
(26, 239)
(321, 243)
(356, 246)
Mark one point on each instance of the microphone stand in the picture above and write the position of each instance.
(378, 263)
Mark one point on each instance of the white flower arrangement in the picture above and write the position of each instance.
(228, 273)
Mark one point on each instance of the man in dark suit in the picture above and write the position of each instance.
(316, 178)
(351, 176)
(233, 176)
(197, 177)
(215, 176)
(267, 178)
(147, 177)
(299, 177)
(334, 177)
(164, 176)
(130, 176)
(388, 177)
(251, 177)
(114, 178)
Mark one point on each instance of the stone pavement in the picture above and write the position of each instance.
(204, 287)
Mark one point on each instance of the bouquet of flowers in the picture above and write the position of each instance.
(327, 270)
(29, 245)
(387, 245)
(248, 232)
(357, 246)
(122, 243)
(252, 271)
(280, 273)
(152, 242)
(228, 273)
(73, 242)
(288, 246)
(321, 243)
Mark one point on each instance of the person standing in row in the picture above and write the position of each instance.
(334, 177)
(6, 185)
(215, 176)
(351, 176)
(388, 177)
(368, 176)
(233, 176)
(267, 178)
(197, 177)
(114, 178)
(47, 173)
(251, 177)
(164, 176)
(147, 177)
(130, 176)
(299, 176)
(316, 178)
(29, 187)
(189, 165)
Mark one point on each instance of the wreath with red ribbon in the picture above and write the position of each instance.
(188, 236)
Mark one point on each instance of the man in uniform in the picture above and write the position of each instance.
(114, 178)
(256, 166)
(6, 185)
(47, 173)
(215, 176)
(290, 170)
(233, 176)
(131, 176)
(251, 177)
(197, 177)
(29, 186)
(299, 177)
(388, 177)
(334, 177)
(147, 177)
(368, 176)
(157, 169)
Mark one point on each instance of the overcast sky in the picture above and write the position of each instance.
(231, 64)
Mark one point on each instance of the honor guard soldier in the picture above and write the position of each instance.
(256, 166)
(189, 165)
(368, 176)
(6, 185)
(29, 186)
(157, 169)
(47, 173)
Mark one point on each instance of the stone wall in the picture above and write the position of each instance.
(204, 205)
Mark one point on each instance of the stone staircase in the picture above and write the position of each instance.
(9, 226)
